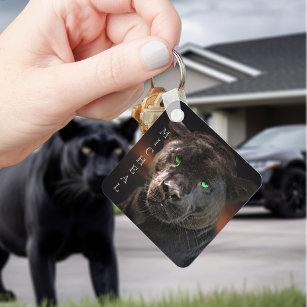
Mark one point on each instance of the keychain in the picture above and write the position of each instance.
(152, 106)
(181, 183)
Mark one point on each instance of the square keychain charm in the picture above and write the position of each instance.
(181, 184)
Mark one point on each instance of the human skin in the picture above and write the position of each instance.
(62, 58)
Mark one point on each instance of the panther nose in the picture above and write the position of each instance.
(173, 193)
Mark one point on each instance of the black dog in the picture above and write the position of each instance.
(51, 205)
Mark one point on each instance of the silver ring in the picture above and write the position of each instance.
(182, 70)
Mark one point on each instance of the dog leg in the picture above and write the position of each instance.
(104, 275)
(43, 275)
(5, 295)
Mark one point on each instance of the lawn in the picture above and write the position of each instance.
(117, 210)
(265, 297)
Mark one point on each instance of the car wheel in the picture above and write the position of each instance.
(293, 189)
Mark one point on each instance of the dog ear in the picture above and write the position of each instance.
(239, 189)
(70, 130)
(179, 128)
(128, 128)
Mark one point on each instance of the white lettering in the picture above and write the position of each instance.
(164, 133)
(141, 160)
(124, 179)
(115, 187)
(148, 149)
(133, 169)
(157, 142)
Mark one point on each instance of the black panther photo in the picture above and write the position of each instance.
(52, 206)
(190, 180)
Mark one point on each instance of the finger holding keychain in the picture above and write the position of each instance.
(181, 183)
(85, 58)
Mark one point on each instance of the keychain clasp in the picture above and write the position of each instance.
(171, 99)
(158, 100)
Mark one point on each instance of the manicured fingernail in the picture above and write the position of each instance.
(155, 54)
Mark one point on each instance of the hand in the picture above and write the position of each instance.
(61, 58)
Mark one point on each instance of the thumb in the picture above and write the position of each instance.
(125, 65)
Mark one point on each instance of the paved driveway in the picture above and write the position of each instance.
(254, 249)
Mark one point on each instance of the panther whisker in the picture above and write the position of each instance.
(69, 189)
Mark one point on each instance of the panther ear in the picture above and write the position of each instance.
(239, 189)
(128, 128)
(70, 130)
(179, 128)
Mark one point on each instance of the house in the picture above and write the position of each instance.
(243, 87)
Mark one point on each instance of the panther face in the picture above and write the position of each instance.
(92, 149)
(188, 183)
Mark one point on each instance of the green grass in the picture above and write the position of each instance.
(265, 297)
(117, 210)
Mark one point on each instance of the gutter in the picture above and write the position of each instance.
(223, 60)
(208, 71)
(249, 99)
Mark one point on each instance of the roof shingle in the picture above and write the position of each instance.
(280, 59)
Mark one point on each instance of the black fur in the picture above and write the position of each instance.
(51, 205)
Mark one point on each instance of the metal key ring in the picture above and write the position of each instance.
(182, 72)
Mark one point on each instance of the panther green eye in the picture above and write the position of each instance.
(118, 151)
(86, 149)
(204, 184)
(178, 161)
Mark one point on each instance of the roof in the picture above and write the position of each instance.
(281, 61)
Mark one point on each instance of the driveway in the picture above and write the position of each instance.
(253, 250)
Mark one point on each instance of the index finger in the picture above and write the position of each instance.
(160, 15)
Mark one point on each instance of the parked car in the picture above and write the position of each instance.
(279, 155)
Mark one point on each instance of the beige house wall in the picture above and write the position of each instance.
(230, 125)
(195, 80)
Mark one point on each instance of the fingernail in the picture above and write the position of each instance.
(155, 54)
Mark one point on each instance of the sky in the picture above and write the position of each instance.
(207, 22)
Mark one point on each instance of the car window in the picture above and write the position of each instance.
(284, 138)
